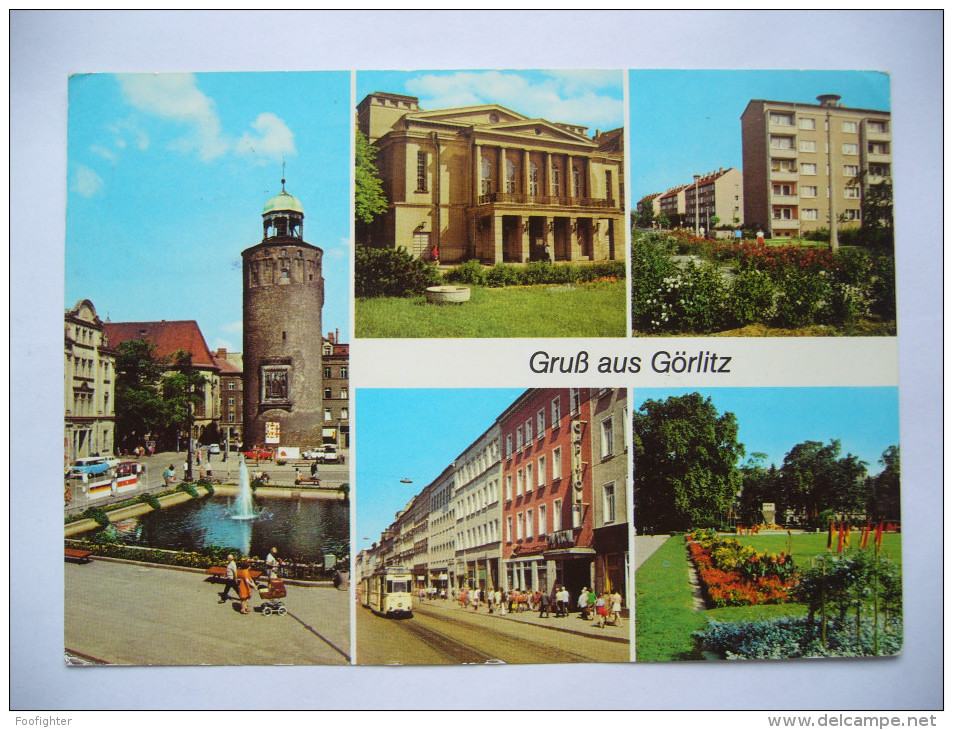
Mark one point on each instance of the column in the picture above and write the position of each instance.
(477, 165)
(524, 238)
(572, 250)
(548, 174)
(501, 185)
(525, 173)
(548, 233)
(569, 191)
(497, 239)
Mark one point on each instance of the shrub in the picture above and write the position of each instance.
(150, 499)
(536, 272)
(391, 273)
(189, 489)
(471, 272)
(98, 514)
(751, 298)
(797, 636)
(800, 298)
(852, 266)
(651, 266)
(844, 304)
(883, 291)
(256, 483)
(206, 485)
(694, 300)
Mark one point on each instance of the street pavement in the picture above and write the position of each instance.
(440, 632)
(570, 624)
(645, 547)
(132, 613)
(332, 475)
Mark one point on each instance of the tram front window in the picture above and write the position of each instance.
(397, 586)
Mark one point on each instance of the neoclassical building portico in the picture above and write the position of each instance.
(487, 183)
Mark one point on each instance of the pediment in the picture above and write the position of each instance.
(539, 129)
(469, 116)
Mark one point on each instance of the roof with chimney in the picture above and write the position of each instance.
(168, 338)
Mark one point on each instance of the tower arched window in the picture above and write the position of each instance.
(555, 181)
(533, 179)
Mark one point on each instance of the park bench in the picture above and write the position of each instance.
(80, 556)
(315, 481)
(218, 571)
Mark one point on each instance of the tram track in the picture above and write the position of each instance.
(457, 651)
(538, 651)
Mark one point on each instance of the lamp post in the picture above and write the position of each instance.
(829, 100)
(697, 178)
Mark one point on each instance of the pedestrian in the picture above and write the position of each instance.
(297, 475)
(583, 604)
(169, 474)
(314, 469)
(592, 604)
(601, 610)
(760, 237)
(476, 599)
(737, 235)
(564, 601)
(543, 604)
(272, 562)
(245, 586)
(231, 575)
(435, 254)
(615, 607)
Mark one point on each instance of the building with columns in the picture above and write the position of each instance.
(488, 183)
(89, 384)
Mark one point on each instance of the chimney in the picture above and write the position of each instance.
(220, 353)
(337, 335)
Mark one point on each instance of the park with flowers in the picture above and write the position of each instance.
(682, 284)
(800, 559)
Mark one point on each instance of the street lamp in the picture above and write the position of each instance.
(827, 101)
(697, 178)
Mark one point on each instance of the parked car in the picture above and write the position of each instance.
(258, 454)
(90, 466)
(214, 449)
(328, 454)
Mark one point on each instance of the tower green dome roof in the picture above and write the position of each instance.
(283, 201)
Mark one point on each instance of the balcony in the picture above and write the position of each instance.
(560, 200)
(787, 153)
(783, 176)
(784, 199)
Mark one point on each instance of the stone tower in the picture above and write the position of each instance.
(283, 292)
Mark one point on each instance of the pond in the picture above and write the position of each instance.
(301, 529)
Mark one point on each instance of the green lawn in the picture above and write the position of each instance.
(665, 617)
(595, 309)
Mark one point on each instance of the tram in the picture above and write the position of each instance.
(387, 592)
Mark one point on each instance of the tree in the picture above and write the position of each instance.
(876, 211)
(758, 485)
(369, 198)
(139, 405)
(814, 478)
(686, 457)
(183, 388)
(644, 213)
(885, 487)
(663, 221)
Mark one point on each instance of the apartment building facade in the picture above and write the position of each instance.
(488, 183)
(671, 203)
(478, 513)
(230, 372)
(718, 199)
(610, 486)
(89, 385)
(442, 526)
(804, 162)
(336, 424)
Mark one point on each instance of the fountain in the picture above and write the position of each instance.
(244, 509)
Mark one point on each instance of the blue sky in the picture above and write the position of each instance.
(689, 121)
(412, 434)
(167, 178)
(774, 420)
(592, 98)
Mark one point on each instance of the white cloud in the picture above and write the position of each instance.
(221, 342)
(235, 326)
(86, 182)
(177, 98)
(571, 96)
(104, 153)
(271, 141)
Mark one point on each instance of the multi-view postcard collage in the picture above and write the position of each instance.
(674, 291)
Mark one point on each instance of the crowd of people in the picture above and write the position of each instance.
(603, 610)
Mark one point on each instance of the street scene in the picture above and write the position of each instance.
(207, 436)
(515, 549)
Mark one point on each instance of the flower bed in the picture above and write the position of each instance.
(736, 575)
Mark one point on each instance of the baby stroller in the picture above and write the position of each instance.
(271, 595)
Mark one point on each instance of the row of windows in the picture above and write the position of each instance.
(810, 214)
(481, 462)
(555, 179)
(479, 535)
(786, 119)
(83, 367)
(342, 394)
(83, 404)
(525, 524)
(810, 191)
(479, 499)
(343, 372)
(329, 416)
(780, 142)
